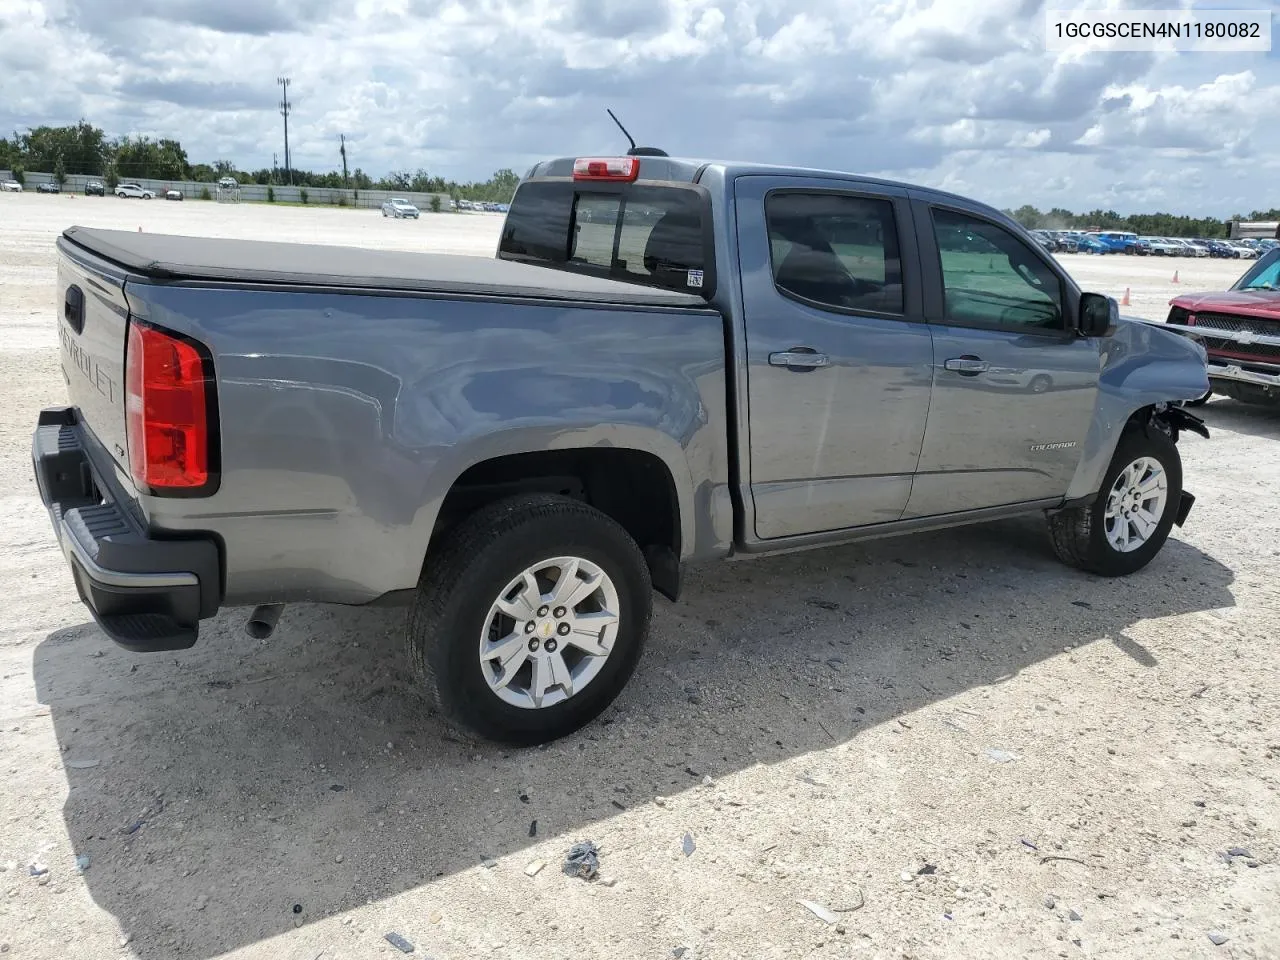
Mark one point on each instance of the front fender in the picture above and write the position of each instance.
(1143, 366)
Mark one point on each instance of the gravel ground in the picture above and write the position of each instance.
(960, 747)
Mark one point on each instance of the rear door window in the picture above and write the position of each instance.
(836, 250)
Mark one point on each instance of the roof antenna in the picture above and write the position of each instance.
(635, 151)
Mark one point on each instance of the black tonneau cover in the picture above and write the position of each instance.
(171, 258)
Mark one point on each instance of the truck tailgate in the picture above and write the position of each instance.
(92, 329)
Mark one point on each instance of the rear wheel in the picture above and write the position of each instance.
(531, 620)
(1128, 523)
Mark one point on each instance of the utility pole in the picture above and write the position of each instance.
(345, 182)
(274, 168)
(284, 112)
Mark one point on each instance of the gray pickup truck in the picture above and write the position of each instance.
(667, 361)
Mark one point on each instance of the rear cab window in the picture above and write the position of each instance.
(656, 234)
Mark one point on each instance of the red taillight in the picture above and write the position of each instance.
(166, 413)
(606, 168)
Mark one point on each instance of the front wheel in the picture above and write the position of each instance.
(532, 618)
(1128, 523)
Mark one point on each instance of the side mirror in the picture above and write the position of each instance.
(1099, 315)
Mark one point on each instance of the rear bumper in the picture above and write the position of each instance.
(146, 593)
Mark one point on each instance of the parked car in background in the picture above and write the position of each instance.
(137, 191)
(173, 194)
(524, 447)
(1046, 240)
(48, 188)
(1197, 248)
(1161, 247)
(1067, 242)
(1218, 249)
(399, 208)
(1244, 251)
(1240, 330)
(1117, 241)
(11, 186)
(94, 188)
(1090, 244)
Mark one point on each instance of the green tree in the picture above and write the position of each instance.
(59, 171)
(83, 148)
(143, 158)
(10, 152)
(435, 203)
(1028, 216)
(19, 174)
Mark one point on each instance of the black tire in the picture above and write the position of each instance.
(1079, 534)
(462, 580)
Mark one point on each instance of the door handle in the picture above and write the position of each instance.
(967, 366)
(799, 358)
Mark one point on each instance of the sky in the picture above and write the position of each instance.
(957, 94)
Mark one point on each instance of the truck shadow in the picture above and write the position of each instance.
(231, 778)
(1252, 420)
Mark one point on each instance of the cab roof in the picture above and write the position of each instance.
(692, 170)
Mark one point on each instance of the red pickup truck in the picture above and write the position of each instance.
(1240, 330)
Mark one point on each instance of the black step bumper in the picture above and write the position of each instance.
(147, 593)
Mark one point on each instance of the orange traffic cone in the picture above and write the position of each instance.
(1175, 276)
(1124, 302)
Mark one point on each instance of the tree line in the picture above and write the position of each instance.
(86, 150)
(1143, 224)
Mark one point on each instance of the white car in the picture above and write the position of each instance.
(1244, 251)
(135, 190)
(1160, 247)
(11, 186)
(398, 207)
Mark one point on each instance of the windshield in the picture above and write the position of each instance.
(1263, 275)
(1267, 279)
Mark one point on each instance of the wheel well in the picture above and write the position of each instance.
(633, 487)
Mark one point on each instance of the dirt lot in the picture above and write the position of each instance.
(964, 748)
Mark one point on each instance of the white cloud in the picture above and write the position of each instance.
(1030, 139)
(957, 93)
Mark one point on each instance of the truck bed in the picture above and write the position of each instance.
(168, 258)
